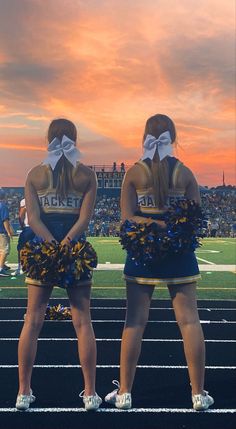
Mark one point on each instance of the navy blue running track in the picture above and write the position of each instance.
(161, 393)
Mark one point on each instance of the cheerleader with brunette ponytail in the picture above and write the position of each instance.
(161, 214)
(60, 196)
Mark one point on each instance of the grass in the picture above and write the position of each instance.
(213, 285)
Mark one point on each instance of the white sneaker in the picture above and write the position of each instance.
(123, 401)
(92, 402)
(202, 402)
(23, 401)
(18, 272)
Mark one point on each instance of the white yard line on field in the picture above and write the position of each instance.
(204, 260)
(202, 267)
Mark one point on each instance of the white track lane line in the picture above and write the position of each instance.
(124, 308)
(115, 410)
(146, 340)
(122, 321)
(118, 366)
(121, 299)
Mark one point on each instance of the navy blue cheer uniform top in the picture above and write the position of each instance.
(59, 214)
(173, 269)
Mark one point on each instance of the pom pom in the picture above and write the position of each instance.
(57, 312)
(147, 242)
(56, 264)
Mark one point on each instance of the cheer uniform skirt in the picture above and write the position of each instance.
(172, 269)
(59, 225)
(26, 235)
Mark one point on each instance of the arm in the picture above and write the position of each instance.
(22, 213)
(86, 210)
(33, 210)
(129, 204)
(192, 189)
(5, 220)
(8, 228)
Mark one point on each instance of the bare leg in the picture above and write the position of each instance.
(3, 257)
(186, 313)
(38, 298)
(138, 304)
(80, 310)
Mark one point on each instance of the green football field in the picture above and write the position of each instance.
(218, 282)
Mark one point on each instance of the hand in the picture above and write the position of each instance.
(11, 232)
(66, 241)
(161, 223)
(50, 239)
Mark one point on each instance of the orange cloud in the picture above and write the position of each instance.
(108, 66)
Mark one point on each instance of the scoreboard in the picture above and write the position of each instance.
(110, 179)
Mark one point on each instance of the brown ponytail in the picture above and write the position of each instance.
(64, 177)
(156, 125)
(160, 176)
(64, 168)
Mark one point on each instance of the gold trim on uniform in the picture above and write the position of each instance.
(155, 281)
(50, 202)
(58, 210)
(34, 282)
(151, 210)
(146, 198)
(146, 168)
(42, 192)
(175, 173)
(145, 191)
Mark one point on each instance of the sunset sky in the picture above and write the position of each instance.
(110, 64)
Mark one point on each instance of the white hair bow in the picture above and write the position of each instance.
(58, 147)
(162, 144)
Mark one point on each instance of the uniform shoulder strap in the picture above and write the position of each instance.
(175, 172)
(146, 168)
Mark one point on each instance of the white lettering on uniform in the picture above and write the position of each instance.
(146, 201)
(54, 201)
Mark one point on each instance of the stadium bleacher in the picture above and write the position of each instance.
(218, 205)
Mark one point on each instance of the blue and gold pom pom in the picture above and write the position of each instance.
(147, 242)
(57, 312)
(56, 264)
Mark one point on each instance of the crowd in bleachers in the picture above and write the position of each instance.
(106, 218)
(13, 204)
(219, 206)
(220, 209)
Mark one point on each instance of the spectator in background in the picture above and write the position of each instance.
(114, 167)
(25, 235)
(122, 167)
(214, 228)
(233, 231)
(6, 232)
